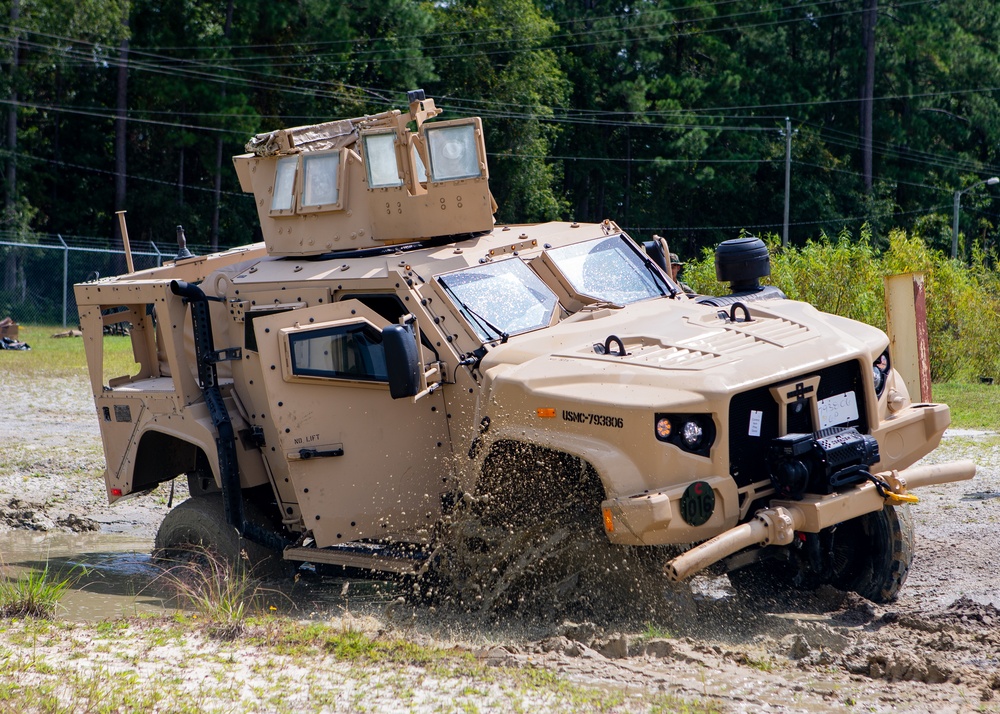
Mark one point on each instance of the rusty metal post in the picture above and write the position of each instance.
(906, 325)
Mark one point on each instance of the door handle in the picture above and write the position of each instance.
(306, 454)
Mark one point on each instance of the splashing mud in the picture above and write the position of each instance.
(530, 545)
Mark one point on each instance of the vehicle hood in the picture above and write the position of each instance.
(678, 346)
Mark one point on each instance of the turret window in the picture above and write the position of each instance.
(319, 173)
(380, 161)
(453, 152)
(284, 184)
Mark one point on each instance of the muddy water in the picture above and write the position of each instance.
(113, 576)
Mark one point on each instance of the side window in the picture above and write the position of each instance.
(284, 184)
(387, 306)
(352, 352)
(453, 152)
(380, 160)
(249, 335)
(320, 180)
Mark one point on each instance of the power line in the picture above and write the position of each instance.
(828, 221)
(133, 177)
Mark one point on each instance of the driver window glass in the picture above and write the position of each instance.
(499, 298)
(352, 352)
(609, 269)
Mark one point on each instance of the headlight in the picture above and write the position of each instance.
(880, 372)
(694, 433)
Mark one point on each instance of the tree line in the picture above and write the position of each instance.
(672, 117)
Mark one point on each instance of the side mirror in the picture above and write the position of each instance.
(402, 361)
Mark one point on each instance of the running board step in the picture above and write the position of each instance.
(367, 556)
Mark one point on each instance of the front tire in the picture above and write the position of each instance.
(877, 551)
(199, 523)
(869, 555)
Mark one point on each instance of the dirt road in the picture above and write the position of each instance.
(937, 649)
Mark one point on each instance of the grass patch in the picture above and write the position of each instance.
(973, 406)
(761, 663)
(63, 357)
(371, 673)
(309, 639)
(653, 631)
(224, 593)
(34, 593)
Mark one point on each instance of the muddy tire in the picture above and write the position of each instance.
(199, 524)
(871, 555)
(878, 555)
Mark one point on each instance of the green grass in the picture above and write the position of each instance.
(973, 406)
(62, 357)
(33, 594)
(225, 594)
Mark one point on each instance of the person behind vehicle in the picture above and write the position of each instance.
(676, 268)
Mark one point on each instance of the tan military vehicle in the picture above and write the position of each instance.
(330, 393)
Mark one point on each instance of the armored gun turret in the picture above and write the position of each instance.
(369, 182)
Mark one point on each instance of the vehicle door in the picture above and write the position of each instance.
(363, 465)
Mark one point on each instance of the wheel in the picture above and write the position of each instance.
(200, 523)
(869, 555)
(875, 551)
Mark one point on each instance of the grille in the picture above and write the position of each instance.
(747, 454)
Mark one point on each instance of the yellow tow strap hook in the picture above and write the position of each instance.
(896, 499)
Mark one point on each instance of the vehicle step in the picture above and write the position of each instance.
(360, 555)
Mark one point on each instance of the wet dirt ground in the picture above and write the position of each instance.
(936, 649)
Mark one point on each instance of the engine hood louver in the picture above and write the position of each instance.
(714, 345)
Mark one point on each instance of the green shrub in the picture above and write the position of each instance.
(845, 276)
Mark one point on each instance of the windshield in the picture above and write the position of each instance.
(502, 298)
(609, 269)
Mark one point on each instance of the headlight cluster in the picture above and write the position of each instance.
(694, 433)
(880, 372)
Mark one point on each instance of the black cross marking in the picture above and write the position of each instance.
(800, 392)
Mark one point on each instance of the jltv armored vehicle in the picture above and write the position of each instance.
(330, 393)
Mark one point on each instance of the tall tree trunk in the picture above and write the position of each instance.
(868, 19)
(57, 132)
(216, 194)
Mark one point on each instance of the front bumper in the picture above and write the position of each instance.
(777, 524)
(910, 434)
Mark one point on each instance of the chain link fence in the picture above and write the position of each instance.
(36, 279)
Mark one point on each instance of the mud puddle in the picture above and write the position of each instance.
(113, 575)
(110, 575)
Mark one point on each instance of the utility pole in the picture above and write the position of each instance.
(10, 196)
(992, 181)
(869, 18)
(788, 178)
